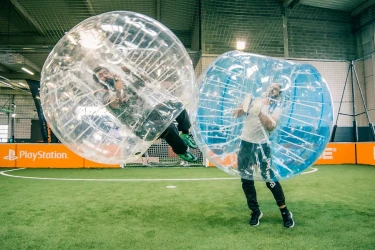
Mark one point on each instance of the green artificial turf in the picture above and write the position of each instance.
(334, 208)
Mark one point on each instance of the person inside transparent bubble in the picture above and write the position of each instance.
(146, 121)
(263, 115)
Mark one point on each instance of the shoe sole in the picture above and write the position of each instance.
(291, 216)
(192, 160)
(260, 216)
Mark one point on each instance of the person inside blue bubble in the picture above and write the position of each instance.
(263, 115)
(121, 96)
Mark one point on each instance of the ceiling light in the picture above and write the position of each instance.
(241, 45)
(22, 84)
(28, 71)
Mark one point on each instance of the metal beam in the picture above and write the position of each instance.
(25, 40)
(21, 76)
(90, 8)
(11, 86)
(26, 15)
(9, 91)
(362, 7)
(9, 59)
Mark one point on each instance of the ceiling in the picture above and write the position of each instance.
(29, 29)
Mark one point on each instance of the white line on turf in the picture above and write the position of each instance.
(311, 171)
(123, 180)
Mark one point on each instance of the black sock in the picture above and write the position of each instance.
(283, 210)
(255, 211)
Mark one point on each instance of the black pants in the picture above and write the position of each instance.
(251, 154)
(172, 136)
(150, 128)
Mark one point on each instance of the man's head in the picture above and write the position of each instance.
(273, 91)
(102, 75)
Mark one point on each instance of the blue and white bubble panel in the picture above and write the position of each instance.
(302, 132)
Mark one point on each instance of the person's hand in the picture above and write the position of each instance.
(121, 96)
(124, 99)
(125, 69)
(238, 112)
(119, 85)
(114, 102)
(257, 106)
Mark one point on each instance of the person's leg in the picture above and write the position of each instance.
(183, 122)
(269, 176)
(171, 136)
(250, 192)
(178, 145)
(244, 166)
(275, 187)
(183, 125)
(277, 192)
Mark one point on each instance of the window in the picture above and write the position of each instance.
(3, 133)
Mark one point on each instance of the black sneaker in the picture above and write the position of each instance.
(255, 217)
(188, 157)
(288, 219)
(189, 140)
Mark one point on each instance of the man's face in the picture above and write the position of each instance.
(274, 91)
(103, 74)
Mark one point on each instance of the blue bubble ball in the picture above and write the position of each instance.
(261, 118)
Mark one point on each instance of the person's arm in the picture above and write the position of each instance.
(110, 100)
(238, 112)
(114, 102)
(141, 78)
(243, 108)
(268, 121)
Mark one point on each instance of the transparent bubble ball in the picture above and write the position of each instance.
(234, 92)
(113, 84)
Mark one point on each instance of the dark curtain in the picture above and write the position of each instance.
(47, 134)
